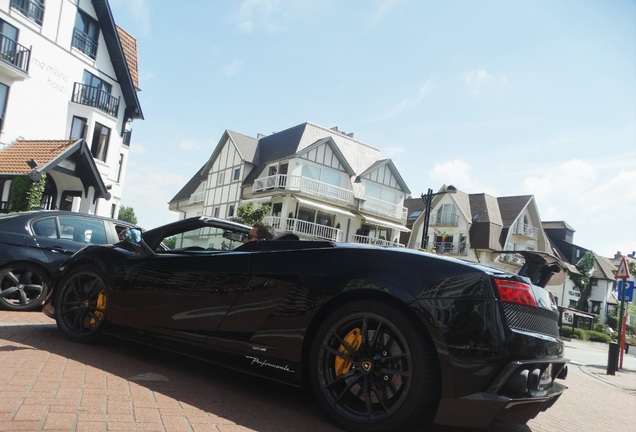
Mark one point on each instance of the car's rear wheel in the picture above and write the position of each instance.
(22, 287)
(81, 304)
(372, 370)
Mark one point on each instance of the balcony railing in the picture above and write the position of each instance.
(525, 230)
(451, 248)
(374, 241)
(384, 208)
(304, 228)
(305, 185)
(15, 54)
(444, 220)
(196, 198)
(84, 43)
(32, 9)
(93, 96)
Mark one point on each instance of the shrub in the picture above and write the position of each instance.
(598, 336)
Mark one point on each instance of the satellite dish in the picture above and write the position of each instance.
(35, 175)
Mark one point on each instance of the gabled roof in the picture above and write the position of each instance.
(511, 207)
(191, 186)
(118, 59)
(392, 168)
(332, 145)
(556, 225)
(49, 154)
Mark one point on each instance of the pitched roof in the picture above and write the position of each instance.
(49, 154)
(510, 207)
(118, 59)
(556, 225)
(191, 186)
(13, 160)
(129, 47)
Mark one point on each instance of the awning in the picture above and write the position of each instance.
(324, 207)
(385, 224)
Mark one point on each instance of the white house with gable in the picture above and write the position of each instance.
(320, 183)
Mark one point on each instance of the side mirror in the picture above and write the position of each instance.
(133, 235)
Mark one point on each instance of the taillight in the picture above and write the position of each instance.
(515, 292)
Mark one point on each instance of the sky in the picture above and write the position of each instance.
(491, 96)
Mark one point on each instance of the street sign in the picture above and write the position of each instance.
(629, 290)
(622, 272)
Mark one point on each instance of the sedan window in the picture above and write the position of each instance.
(46, 227)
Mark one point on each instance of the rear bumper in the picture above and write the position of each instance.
(517, 395)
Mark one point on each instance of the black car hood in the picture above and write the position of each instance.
(540, 267)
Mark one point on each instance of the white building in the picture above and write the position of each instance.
(68, 94)
(320, 183)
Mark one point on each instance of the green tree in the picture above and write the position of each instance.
(585, 267)
(247, 214)
(26, 194)
(127, 214)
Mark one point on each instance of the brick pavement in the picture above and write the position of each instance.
(50, 384)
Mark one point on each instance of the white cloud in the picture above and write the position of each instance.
(188, 145)
(233, 68)
(380, 13)
(392, 151)
(255, 14)
(456, 172)
(148, 190)
(409, 101)
(474, 79)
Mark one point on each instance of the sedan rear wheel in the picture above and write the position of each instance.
(81, 304)
(372, 370)
(22, 287)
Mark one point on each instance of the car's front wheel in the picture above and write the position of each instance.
(22, 287)
(372, 370)
(81, 304)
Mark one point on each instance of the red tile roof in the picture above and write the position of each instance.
(13, 159)
(129, 46)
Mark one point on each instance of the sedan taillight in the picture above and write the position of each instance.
(515, 292)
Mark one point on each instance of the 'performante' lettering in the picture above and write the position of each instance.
(262, 363)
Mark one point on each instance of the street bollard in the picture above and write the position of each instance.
(612, 358)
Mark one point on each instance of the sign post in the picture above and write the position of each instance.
(622, 273)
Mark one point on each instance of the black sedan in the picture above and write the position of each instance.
(387, 339)
(34, 244)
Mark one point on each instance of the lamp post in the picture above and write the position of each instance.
(428, 201)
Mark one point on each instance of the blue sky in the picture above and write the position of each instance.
(498, 97)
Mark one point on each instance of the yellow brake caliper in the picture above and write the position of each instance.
(99, 306)
(354, 340)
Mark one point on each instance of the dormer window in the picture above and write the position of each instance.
(86, 34)
(32, 9)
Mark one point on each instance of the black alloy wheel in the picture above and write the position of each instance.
(372, 371)
(81, 305)
(22, 287)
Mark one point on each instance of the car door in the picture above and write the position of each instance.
(60, 237)
(179, 294)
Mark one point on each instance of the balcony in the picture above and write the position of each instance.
(196, 198)
(444, 220)
(84, 43)
(525, 230)
(384, 208)
(15, 55)
(305, 185)
(304, 228)
(451, 248)
(374, 241)
(93, 96)
(32, 9)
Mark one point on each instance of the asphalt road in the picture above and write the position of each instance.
(50, 384)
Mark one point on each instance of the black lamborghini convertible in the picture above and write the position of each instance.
(387, 339)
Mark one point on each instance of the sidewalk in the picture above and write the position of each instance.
(592, 358)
